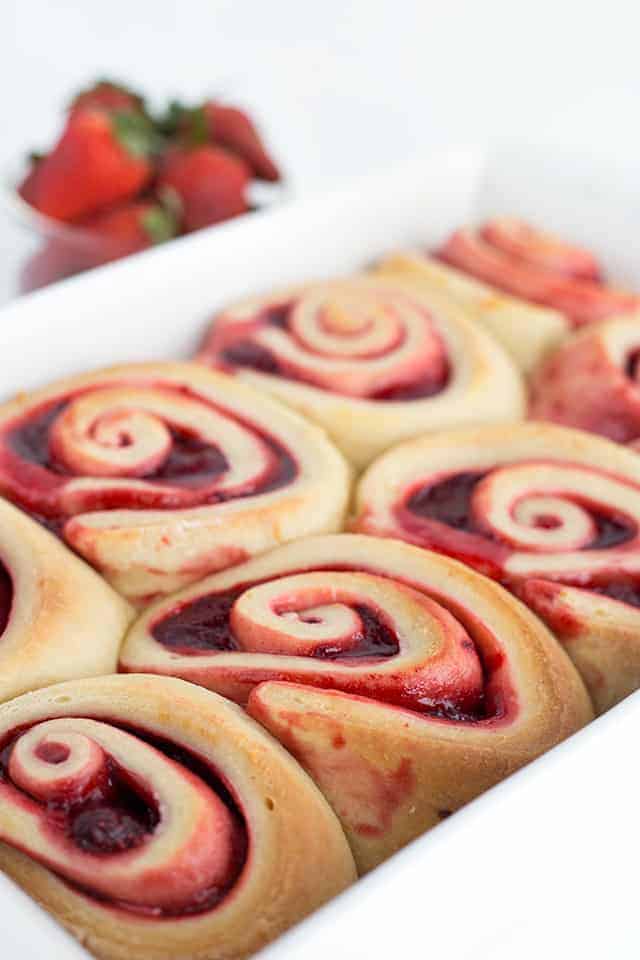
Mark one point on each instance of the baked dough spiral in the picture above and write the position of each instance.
(405, 683)
(552, 513)
(156, 820)
(593, 381)
(372, 360)
(58, 618)
(529, 288)
(160, 473)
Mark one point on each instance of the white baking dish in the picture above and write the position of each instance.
(546, 862)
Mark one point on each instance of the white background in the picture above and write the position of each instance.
(339, 85)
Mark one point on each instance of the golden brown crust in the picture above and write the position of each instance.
(390, 771)
(150, 536)
(298, 857)
(356, 338)
(582, 488)
(525, 330)
(64, 620)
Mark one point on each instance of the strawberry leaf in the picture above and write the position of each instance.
(169, 122)
(136, 133)
(190, 124)
(196, 127)
(159, 224)
(171, 201)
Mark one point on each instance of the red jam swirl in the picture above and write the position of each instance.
(6, 597)
(203, 627)
(34, 478)
(116, 814)
(449, 502)
(234, 344)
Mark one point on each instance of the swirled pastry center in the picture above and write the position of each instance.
(480, 518)
(535, 266)
(346, 629)
(351, 343)
(142, 448)
(136, 822)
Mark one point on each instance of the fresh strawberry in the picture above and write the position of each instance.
(224, 126)
(209, 183)
(102, 158)
(233, 129)
(107, 95)
(127, 229)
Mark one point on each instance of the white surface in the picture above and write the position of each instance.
(342, 86)
(542, 867)
(546, 864)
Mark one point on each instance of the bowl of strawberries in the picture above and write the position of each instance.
(121, 179)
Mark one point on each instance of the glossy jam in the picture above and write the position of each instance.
(626, 591)
(111, 818)
(35, 477)
(374, 641)
(449, 502)
(203, 627)
(53, 753)
(119, 815)
(31, 439)
(105, 828)
(247, 353)
(418, 390)
(632, 364)
(6, 597)
(191, 461)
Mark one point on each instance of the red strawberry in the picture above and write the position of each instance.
(225, 126)
(127, 229)
(107, 95)
(209, 183)
(233, 129)
(101, 158)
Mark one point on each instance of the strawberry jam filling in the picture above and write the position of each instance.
(244, 352)
(118, 815)
(33, 477)
(450, 502)
(204, 627)
(626, 590)
(6, 597)
(632, 365)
